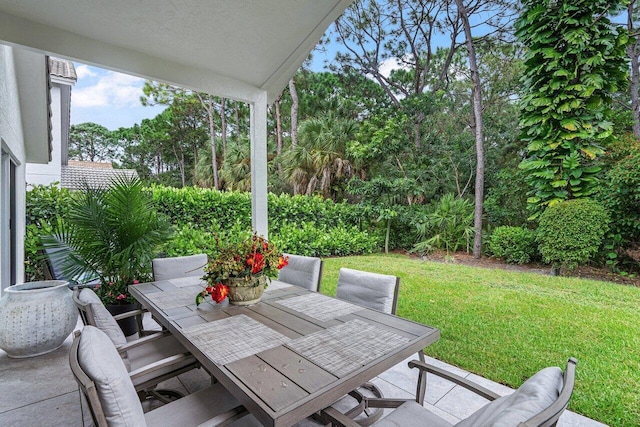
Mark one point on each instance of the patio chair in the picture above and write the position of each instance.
(150, 360)
(302, 271)
(372, 290)
(378, 292)
(52, 261)
(181, 266)
(104, 381)
(538, 402)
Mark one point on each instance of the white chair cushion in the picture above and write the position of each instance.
(182, 266)
(533, 396)
(102, 318)
(372, 290)
(302, 271)
(99, 359)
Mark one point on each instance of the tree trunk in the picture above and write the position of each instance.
(278, 132)
(278, 126)
(632, 51)
(294, 112)
(223, 121)
(477, 114)
(212, 135)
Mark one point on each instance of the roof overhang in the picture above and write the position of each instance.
(233, 48)
(32, 81)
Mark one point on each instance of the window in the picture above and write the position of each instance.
(7, 220)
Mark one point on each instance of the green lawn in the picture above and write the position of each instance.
(506, 325)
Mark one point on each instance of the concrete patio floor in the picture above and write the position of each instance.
(41, 391)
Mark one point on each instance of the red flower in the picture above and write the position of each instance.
(256, 263)
(218, 292)
(136, 281)
(282, 262)
(120, 297)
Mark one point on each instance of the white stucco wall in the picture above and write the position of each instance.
(12, 143)
(24, 136)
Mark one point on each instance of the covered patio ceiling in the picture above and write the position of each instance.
(241, 49)
(232, 48)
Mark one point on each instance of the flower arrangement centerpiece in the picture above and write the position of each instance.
(241, 271)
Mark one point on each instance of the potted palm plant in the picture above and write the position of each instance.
(111, 234)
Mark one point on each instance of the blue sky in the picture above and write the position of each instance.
(112, 99)
(108, 98)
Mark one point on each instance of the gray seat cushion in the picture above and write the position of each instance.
(412, 414)
(533, 396)
(100, 360)
(102, 318)
(153, 351)
(182, 266)
(197, 408)
(302, 271)
(372, 290)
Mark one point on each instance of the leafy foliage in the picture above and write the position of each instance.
(620, 192)
(570, 233)
(112, 234)
(575, 61)
(448, 227)
(314, 240)
(517, 245)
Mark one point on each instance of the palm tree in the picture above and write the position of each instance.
(112, 234)
(320, 158)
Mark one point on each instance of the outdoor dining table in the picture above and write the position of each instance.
(290, 355)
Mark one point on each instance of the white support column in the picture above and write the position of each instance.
(259, 221)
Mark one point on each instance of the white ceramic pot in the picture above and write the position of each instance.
(36, 317)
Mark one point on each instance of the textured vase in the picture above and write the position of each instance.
(246, 292)
(36, 317)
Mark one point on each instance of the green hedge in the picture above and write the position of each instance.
(303, 225)
(517, 245)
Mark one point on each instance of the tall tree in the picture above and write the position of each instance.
(575, 62)
(91, 142)
(294, 112)
(478, 128)
(633, 51)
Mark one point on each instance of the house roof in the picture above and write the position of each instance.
(63, 69)
(95, 175)
(234, 48)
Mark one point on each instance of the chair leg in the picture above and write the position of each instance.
(422, 381)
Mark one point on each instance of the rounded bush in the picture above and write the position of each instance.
(571, 232)
(517, 245)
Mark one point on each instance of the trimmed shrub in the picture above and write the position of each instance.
(517, 245)
(571, 232)
(310, 240)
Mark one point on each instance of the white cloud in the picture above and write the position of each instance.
(112, 89)
(83, 71)
(388, 65)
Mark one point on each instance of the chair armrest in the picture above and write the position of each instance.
(226, 418)
(128, 314)
(160, 364)
(336, 418)
(142, 341)
(456, 379)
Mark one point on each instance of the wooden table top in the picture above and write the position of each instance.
(292, 354)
